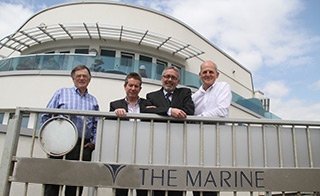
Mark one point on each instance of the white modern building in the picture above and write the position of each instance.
(114, 39)
(122, 37)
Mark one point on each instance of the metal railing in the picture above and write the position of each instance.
(145, 151)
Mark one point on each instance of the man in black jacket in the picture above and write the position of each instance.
(171, 101)
(132, 103)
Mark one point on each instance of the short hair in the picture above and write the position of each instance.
(80, 67)
(133, 75)
(172, 67)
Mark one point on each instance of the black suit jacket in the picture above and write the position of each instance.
(181, 99)
(121, 103)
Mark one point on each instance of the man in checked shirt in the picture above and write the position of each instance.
(76, 98)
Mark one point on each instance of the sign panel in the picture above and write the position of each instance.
(53, 171)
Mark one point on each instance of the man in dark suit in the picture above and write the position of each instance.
(132, 103)
(171, 101)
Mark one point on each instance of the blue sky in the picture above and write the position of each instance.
(277, 40)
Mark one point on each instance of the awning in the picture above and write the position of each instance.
(27, 38)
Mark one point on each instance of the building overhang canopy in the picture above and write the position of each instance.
(26, 38)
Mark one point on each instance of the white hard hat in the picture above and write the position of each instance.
(142, 67)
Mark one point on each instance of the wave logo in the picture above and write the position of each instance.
(114, 170)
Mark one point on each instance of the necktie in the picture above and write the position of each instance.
(167, 96)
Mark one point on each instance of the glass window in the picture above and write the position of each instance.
(145, 58)
(109, 53)
(126, 62)
(1, 117)
(6, 65)
(51, 62)
(126, 59)
(64, 52)
(160, 67)
(25, 121)
(27, 63)
(107, 58)
(145, 66)
(81, 51)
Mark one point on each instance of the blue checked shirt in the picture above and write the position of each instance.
(71, 99)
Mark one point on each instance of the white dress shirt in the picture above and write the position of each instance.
(214, 102)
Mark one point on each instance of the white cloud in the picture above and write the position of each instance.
(12, 17)
(252, 59)
(276, 89)
(290, 108)
(294, 109)
(265, 29)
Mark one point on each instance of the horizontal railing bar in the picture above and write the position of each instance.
(157, 117)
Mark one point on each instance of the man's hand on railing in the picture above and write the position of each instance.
(121, 112)
(177, 113)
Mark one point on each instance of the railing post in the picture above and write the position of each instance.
(9, 151)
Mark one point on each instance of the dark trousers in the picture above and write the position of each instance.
(124, 192)
(205, 193)
(74, 154)
(170, 193)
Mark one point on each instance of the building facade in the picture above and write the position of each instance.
(113, 39)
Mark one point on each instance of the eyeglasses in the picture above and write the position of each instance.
(170, 76)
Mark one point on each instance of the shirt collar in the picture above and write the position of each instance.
(210, 87)
(78, 91)
(165, 92)
(137, 102)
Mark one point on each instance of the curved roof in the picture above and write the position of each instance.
(26, 38)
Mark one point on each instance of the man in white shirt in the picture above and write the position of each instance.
(213, 98)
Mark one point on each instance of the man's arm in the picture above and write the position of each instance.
(158, 108)
(53, 103)
(188, 106)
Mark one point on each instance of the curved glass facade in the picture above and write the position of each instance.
(115, 65)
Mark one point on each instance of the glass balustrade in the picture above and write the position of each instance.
(115, 65)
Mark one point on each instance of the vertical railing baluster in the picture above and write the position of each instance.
(168, 147)
(83, 137)
(151, 146)
(99, 135)
(234, 147)
(280, 146)
(168, 143)
(151, 143)
(201, 144)
(264, 140)
(249, 145)
(218, 144)
(185, 144)
(134, 142)
(309, 147)
(295, 152)
(33, 138)
(116, 153)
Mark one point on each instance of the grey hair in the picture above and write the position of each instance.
(172, 67)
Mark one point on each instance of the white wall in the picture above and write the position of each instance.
(36, 90)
